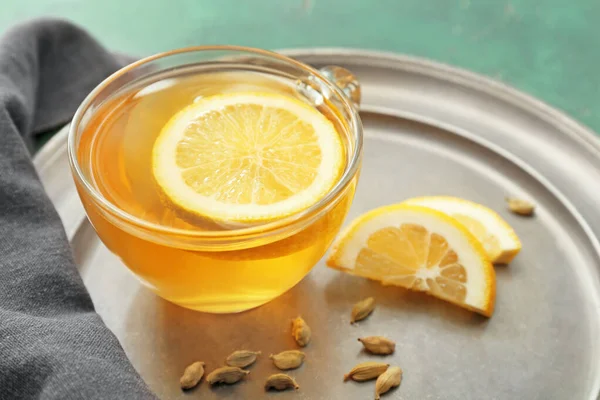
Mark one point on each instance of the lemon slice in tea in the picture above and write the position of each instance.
(247, 157)
(421, 249)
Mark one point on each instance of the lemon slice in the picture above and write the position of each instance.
(421, 249)
(247, 157)
(500, 241)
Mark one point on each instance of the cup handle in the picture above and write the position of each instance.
(345, 80)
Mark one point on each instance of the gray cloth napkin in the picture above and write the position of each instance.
(53, 345)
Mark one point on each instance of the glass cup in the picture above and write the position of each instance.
(213, 270)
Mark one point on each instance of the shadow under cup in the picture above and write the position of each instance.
(220, 271)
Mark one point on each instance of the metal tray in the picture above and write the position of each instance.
(430, 129)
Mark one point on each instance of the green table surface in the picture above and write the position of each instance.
(547, 48)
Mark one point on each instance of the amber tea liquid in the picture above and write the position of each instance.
(114, 153)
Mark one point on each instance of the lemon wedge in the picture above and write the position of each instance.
(247, 157)
(421, 249)
(500, 241)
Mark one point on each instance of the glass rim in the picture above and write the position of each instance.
(265, 229)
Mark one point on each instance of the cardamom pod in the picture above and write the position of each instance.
(378, 345)
(290, 359)
(228, 375)
(281, 382)
(389, 379)
(362, 309)
(192, 375)
(301, 332)
(521, 207)
(242, 358)
(366, 371)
